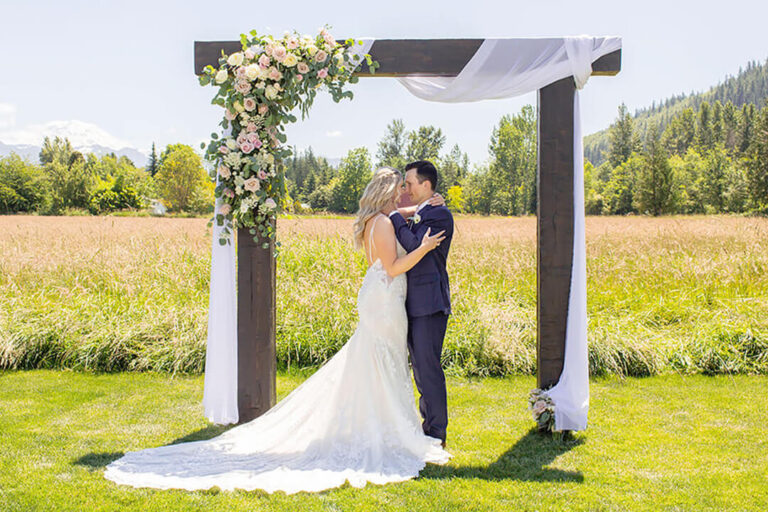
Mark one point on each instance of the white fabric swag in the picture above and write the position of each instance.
(501, 68)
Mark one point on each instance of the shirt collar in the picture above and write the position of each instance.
(422, 205)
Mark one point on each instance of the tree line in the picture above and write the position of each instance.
(65, 181)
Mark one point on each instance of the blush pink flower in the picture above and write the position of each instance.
(241, 138)
(229, 115)
(249, 104)
(261, 174)
(224, 171)
(229, 192)
(279, 53)
(223, 150)
(246, 147)
(264, 61)
(249, 54)
(252, 138)
(263, 108)
(292, 43)
(274, 74)
(322, 73)
(270, 203)
(251, 127)
(299, 77)
(225, 208)
(242, 86)
(302, 68)
(251, 184)
(321, 56)
(240, 72)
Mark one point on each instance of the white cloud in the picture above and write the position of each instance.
(7, 116)
(333, 133)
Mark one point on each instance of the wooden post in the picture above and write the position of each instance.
(256, 357)
(555, 226)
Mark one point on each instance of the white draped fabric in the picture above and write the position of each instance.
(501, 68)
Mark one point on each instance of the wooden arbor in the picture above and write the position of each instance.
(429, 57)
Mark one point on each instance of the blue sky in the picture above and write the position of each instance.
(126, 68)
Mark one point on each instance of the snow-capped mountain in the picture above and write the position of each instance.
(85, 137)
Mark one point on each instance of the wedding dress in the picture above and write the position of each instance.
(355, 420)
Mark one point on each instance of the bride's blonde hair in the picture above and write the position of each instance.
(379, 191)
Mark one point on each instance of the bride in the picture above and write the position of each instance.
(355, 419)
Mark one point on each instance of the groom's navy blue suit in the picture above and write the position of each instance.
(428, 305)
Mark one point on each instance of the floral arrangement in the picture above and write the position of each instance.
(259, 87)
(543, 409)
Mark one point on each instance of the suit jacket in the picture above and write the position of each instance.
(428, 288)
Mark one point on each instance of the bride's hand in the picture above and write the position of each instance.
(430, 242)
(436, 200)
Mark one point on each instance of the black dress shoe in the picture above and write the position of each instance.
(443, 444)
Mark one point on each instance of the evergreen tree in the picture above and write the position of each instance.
(424, 144)
(391, 152)
(654, 192)
(623, 139)
(152, 165)
(757, 162)
(704, 136)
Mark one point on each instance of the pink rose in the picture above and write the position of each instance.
(252, 138)
(261, 174)
(321, 56)
(229, 115)
(251, 184)
(229, 192)
(322, 73)
(274, 74)
(329, 40)
(225, 208)
(293, 43)
(263, 108)
(279, 53)
(224, 171)
(242, 86)
(241, 138)
(251, 127)
(257, 143)
(299, 77)
(240, 73)
(223, 150)
(302, 68)
(264, 61)
(249, 104)
(246, 147)
(269, 49)
(249, 54)
(270, 203)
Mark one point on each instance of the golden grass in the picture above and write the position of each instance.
(672, 293)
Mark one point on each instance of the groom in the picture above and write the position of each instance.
(428, 302)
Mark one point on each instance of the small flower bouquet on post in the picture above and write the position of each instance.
(543, 409)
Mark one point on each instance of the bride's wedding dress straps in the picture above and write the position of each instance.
(371, 244)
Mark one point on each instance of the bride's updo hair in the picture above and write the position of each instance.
(379, 191)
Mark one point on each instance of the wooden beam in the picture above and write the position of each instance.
(403, 57)
(554, 190)
(256, 351)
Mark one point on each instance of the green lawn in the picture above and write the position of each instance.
(659, 443)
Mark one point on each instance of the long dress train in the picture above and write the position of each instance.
(355, 420)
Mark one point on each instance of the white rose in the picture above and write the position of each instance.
(290, 60)
(269, 158)
(231, 144)
(311, 50)
(235, 59)
(270, 92)
(252, 72)
(221, 76)
(270, 203)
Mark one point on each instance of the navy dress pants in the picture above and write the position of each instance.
(425, 345)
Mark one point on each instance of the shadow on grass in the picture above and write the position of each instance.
(525, 461)
(94, 461)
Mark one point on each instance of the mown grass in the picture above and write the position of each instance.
(682, 443)
(674, 294)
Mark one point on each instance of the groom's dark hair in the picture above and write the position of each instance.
(424, 171)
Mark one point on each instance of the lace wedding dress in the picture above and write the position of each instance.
(355, 420)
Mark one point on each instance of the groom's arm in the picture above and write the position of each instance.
(436, 220)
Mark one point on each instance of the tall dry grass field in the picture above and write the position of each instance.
(683, 294)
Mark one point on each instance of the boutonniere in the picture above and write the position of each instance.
(416, 218)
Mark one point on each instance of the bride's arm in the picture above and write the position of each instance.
(386, 247)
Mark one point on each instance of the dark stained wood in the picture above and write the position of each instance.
(401, 57)
(555, 225)
(256, 357)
